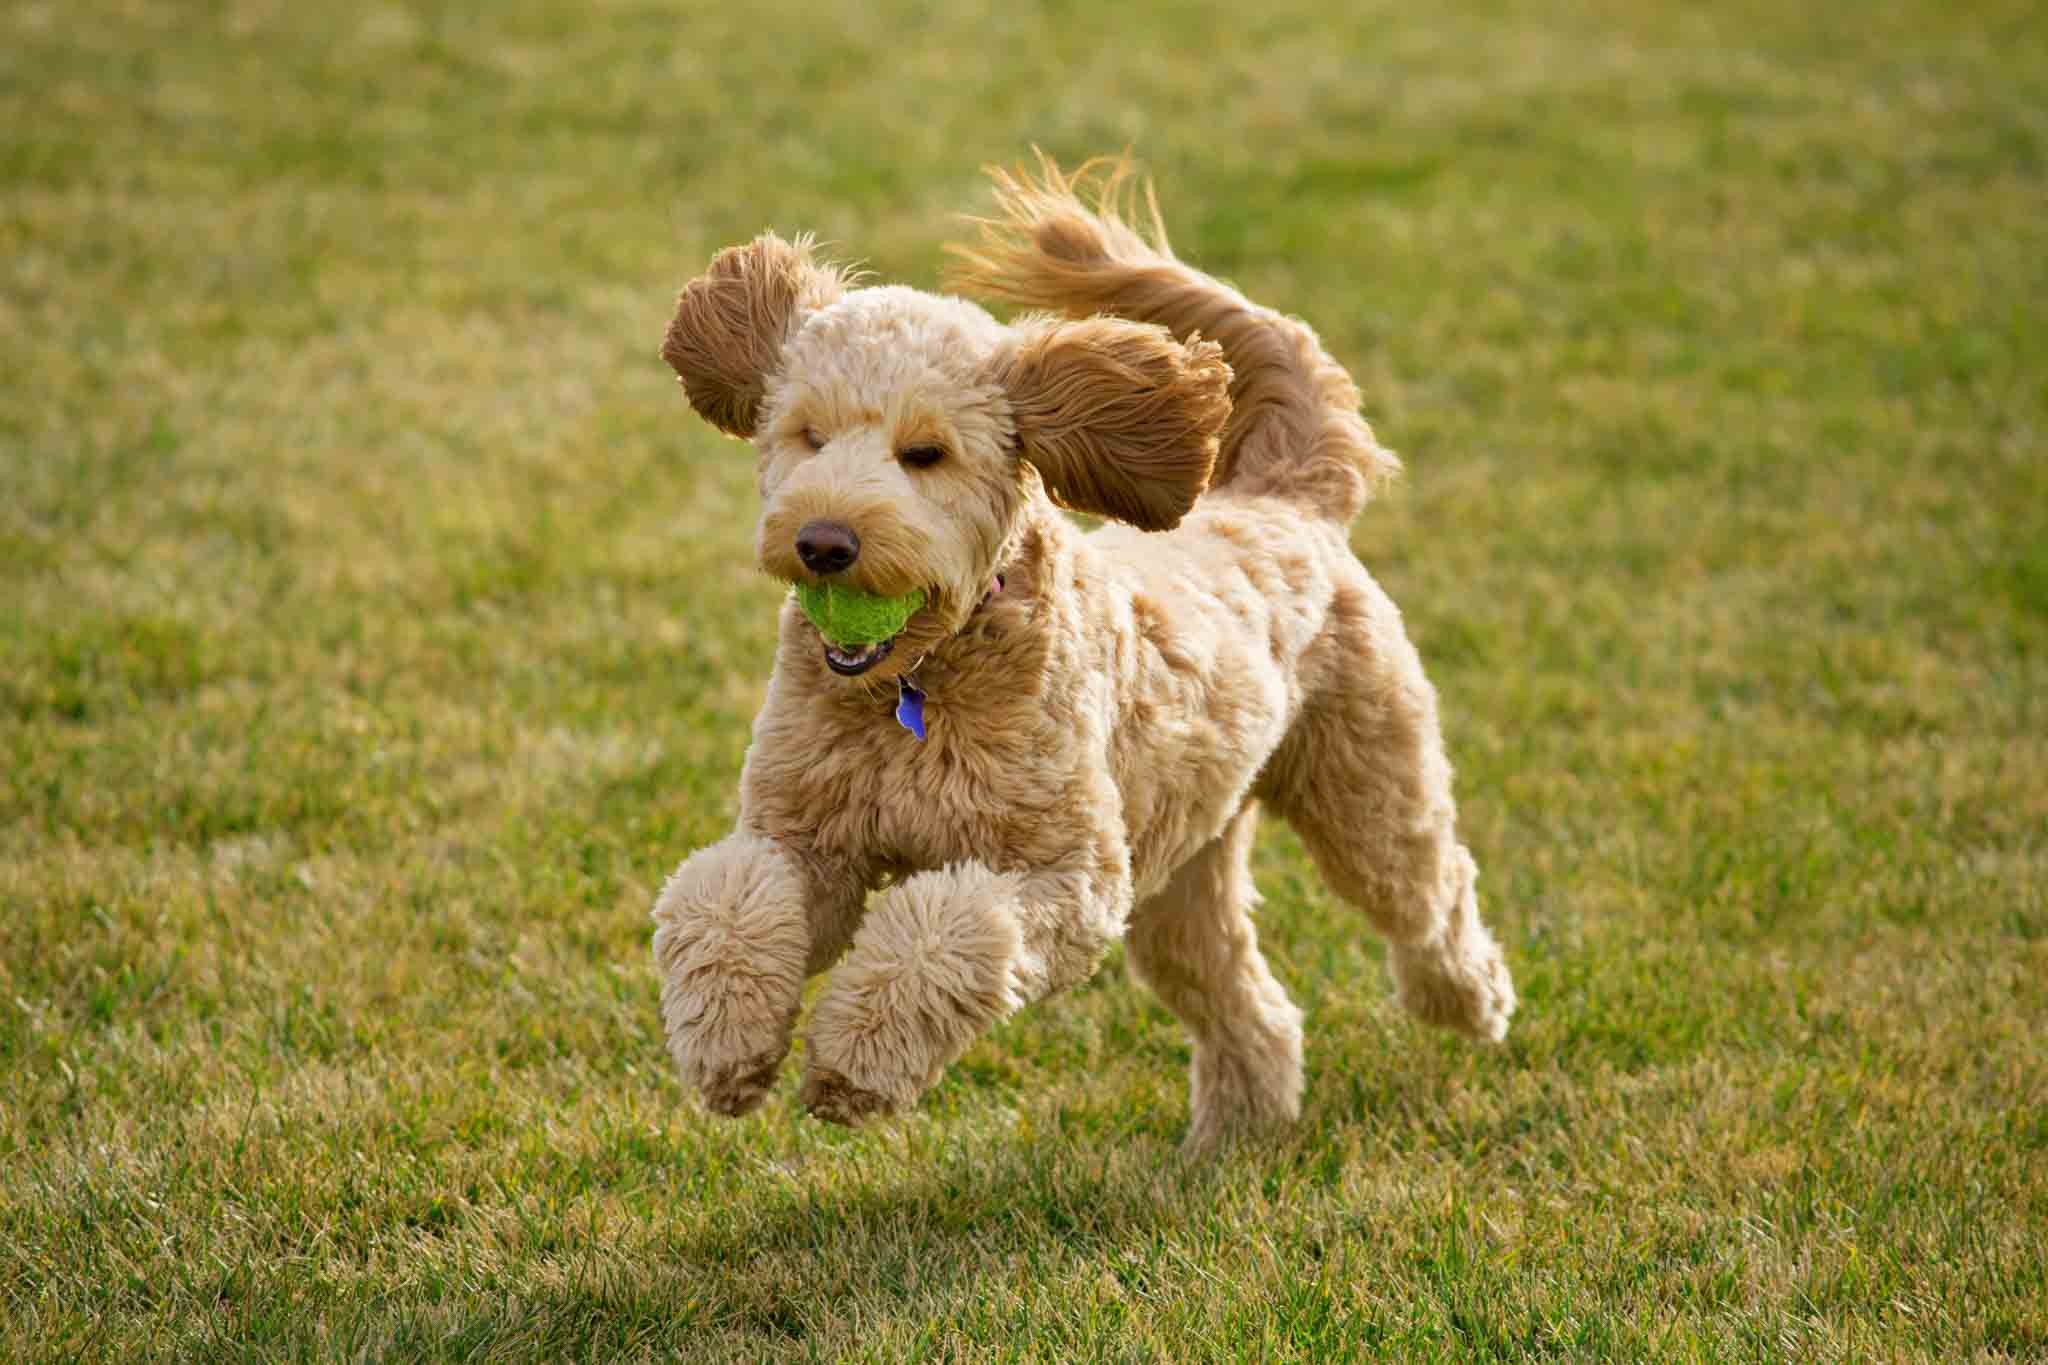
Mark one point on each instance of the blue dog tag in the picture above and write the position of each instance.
(909, 707)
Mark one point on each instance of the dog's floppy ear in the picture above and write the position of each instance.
(1119, 419)
(732, 322)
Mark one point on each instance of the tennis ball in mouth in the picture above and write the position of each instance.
(847, 616)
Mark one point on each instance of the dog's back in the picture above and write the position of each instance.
(1360, 772)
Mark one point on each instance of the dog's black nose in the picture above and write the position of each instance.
(827, 546)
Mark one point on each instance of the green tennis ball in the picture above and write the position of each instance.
(848, 616)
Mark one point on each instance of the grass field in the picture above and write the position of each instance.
(378, 627)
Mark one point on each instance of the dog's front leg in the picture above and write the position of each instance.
(938, 960)
(737, 929)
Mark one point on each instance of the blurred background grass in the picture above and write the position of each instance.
(377, 627)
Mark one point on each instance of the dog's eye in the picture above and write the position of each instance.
(813, 439)
(922, 457)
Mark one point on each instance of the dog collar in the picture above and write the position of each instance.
(909, 706)
(909, 696)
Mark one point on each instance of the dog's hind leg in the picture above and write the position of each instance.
(1364, 781)
(1194, 945)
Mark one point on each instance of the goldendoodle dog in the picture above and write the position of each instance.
(1065, 738)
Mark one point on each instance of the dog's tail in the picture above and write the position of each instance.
(1063, 242)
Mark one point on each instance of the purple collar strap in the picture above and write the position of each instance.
(910, 697)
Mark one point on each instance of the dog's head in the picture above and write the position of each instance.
(901, 435)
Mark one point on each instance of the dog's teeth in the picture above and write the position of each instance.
(854, 657)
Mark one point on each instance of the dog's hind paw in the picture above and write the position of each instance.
(831, 1097)
(1469, 992)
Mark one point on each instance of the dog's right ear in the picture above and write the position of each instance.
(732, 322)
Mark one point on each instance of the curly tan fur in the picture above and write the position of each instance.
(1103, 730)
(1118, 418)
(732, 322)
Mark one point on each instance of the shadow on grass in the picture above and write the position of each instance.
(1055, 1230)
(989, 1239)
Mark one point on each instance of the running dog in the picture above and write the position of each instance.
(1069, 738)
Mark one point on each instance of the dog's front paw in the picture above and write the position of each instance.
(730, 942)
(738, 1087)
(833, 1098)
(933, 965)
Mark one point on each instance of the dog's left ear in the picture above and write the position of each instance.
(1118, 417)
(733, 320)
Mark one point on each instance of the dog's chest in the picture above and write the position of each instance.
(980, 786)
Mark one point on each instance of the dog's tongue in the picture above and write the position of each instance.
(848, 617)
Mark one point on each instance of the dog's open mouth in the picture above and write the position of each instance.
(857, 627)
(850, 661)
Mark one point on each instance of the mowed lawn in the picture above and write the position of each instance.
(378, 628)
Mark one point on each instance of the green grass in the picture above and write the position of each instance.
(377, 628)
